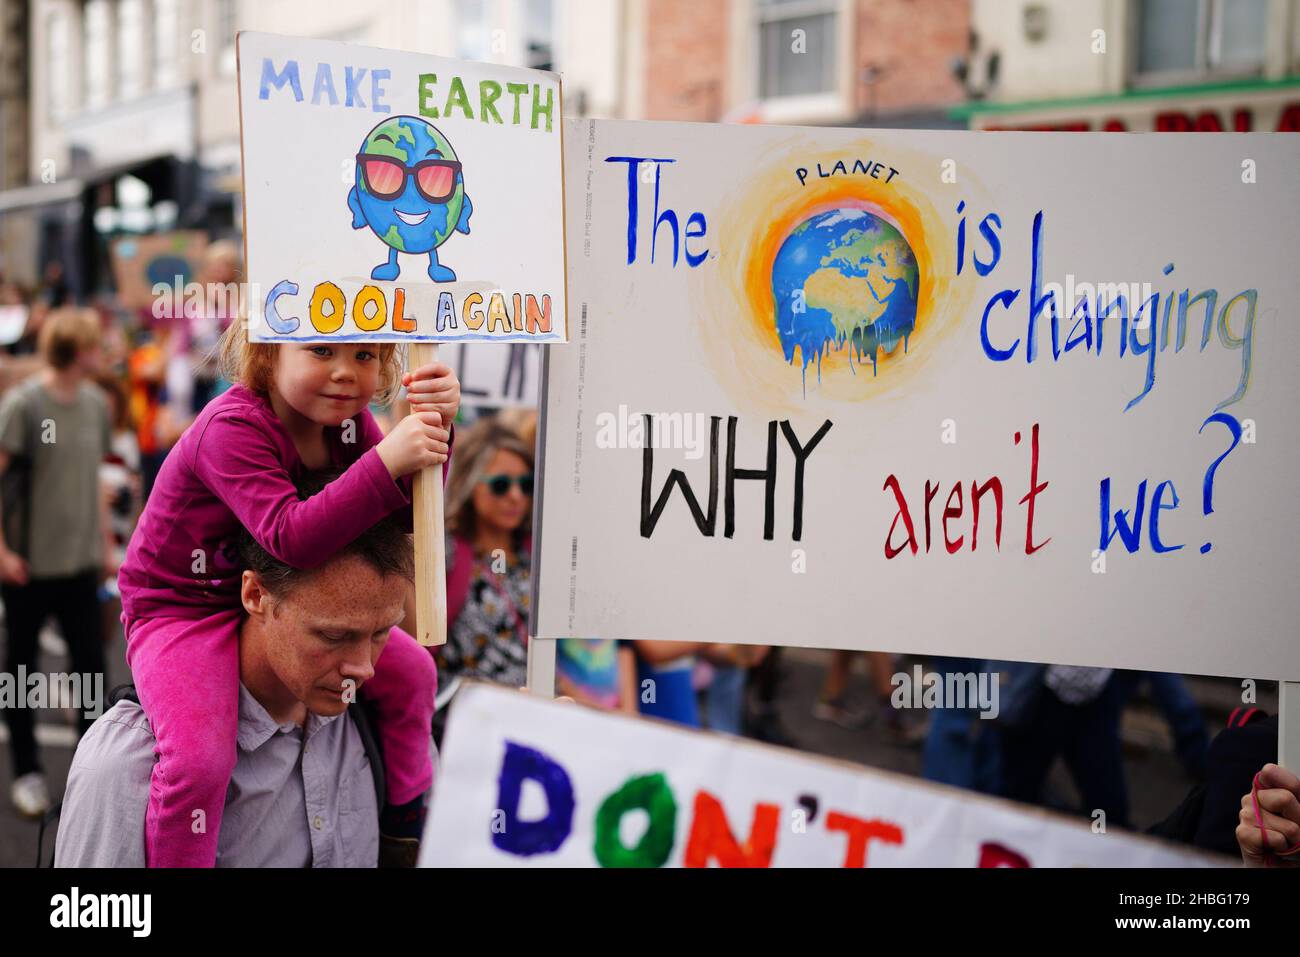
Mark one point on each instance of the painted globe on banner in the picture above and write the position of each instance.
(844, 278)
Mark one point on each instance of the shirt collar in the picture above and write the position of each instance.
(256, 726)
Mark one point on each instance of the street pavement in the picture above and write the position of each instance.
(1156, 781)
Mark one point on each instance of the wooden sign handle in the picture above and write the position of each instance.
(430, 540)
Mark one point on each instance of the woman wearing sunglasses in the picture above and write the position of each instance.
(489, 519)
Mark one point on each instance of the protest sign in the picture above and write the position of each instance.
(143, 263)
(365, 221)
(394, 196)
(530, 782)
(496, 378)
(1021, 396)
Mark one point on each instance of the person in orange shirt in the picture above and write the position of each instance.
(146, 370)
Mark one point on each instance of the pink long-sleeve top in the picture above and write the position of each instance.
(236, 466)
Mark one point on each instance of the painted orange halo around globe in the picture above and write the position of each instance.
(739, 332)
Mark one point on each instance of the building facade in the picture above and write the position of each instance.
(1138, 65)
(799, 62)
(126, 119)
(132, 125)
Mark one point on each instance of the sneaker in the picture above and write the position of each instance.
(837, 711)
(30, 795)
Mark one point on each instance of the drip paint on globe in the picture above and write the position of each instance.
(844, 278)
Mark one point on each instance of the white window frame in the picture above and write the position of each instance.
(164, 44)
(552, 30)
(96, 97)
(132, 77)
(834, 105)
(1208, 36)
(59, 79)
(481, 24)
(511, 17)
(225, 58)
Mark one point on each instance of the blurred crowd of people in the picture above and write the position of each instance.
(129, 383)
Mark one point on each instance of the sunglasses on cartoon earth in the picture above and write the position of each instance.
(499, 485)
(385, 177)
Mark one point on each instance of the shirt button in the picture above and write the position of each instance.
(317, 822)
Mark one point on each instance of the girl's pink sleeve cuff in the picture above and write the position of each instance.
(391, 494)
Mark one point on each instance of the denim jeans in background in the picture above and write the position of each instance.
(961, 748)
(725, 701)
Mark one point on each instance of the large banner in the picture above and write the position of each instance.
(399, 197)
(530, 782)
(1023, 396)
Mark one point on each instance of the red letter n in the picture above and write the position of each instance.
(711, 837)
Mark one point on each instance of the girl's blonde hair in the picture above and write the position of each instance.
(252, 364)
(469, 462)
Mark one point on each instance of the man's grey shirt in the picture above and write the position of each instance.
(291, 803)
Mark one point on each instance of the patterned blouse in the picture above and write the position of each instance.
(487, 638)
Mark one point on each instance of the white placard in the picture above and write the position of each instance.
(496, 376)
(13, 323)
(529, 782)
(394, 196)
(784, 259)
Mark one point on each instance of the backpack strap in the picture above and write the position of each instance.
(362, 718)
(48, 818)
(123, 693)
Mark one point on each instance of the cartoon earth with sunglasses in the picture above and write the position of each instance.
(410, 191)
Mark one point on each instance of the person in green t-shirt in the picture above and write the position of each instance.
(55, 544)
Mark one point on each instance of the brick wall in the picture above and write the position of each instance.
(686, 48)
(910, 43)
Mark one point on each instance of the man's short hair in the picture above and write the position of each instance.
(385, 547)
